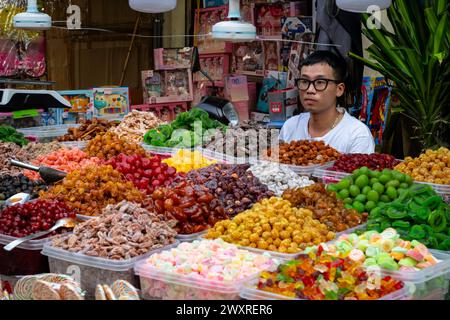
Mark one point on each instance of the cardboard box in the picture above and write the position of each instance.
(215, 65)
(170, 59)
(111, 103)
(282, 104)
(82, 102)
(204, 21)
(167, 86)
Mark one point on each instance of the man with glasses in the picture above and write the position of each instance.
(321, 85)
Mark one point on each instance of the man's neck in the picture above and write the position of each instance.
(320, 123)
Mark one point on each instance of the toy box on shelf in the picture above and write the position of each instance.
(170, 59)
(293, 28)
(204, 21)
(215, 65)
(29, 118)
(273, 80)
(283, 104)
(167, 86)
(111, 102)
(165, 111)
(206, 88)
(248, 58)
(299, 52)
(82, 102)
(271, 56)
(214, 3)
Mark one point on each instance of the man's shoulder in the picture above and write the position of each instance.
(355, 124)
(296, 119)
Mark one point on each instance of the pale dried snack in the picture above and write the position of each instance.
(124, 231)
(43, 290)
(10, 151)
(136, 124)
(278, 178)
(37, 149)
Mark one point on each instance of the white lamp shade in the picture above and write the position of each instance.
(362, 5)
(152, 6)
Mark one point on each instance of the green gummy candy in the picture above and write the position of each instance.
(372, 251)
(399, 250)
(383, 256)
(370, 262)
(415, 243)
(407, 262)
(388, 264)
(363, 245)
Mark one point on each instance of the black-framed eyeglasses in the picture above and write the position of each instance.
(319, 84)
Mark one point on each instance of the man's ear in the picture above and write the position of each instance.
(340, 90)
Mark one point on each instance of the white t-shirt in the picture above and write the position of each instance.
(349, 136)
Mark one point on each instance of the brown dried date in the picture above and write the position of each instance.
(192, 206)
(235, 188)
(303, 153)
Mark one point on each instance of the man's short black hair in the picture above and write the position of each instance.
(338, 64)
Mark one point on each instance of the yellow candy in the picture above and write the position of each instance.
(186, 160)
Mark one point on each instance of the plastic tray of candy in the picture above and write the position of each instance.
(225, 157)
(190, 237)
(163, 150)
(328, 176)
(249, 292)
(94, 270)
(25, 259)
(75, 144)
(159, 284)
(47, 132)
(292, 256)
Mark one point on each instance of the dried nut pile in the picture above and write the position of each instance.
(246, 140)
(278, 178)
(431, 166)
(273, 224)
(9, 151)
(124, 231)
(135, 125)
(36, 149)
(193, 207)
(89, 190)
(88, 130)
(235, 187)
(325, 206)
(109, 145)
(303, 153)
(66, 160)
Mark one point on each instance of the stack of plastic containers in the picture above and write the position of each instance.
(48, 133)
(93, 270)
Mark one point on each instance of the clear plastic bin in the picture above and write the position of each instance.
(292, 256)
(160, 285)
(441, 189)
(75, 144)
(25, 259)
(47, 133)
(328, 176)
(221, 157)
(84, 218)
(304, 171)
(93, 270)
(163, 150)
(190, 237)
(429, 280)
(249, 292)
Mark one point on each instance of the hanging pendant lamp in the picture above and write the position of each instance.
(362, 6)
(234, 30)
(152, 6)
(32, 19)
